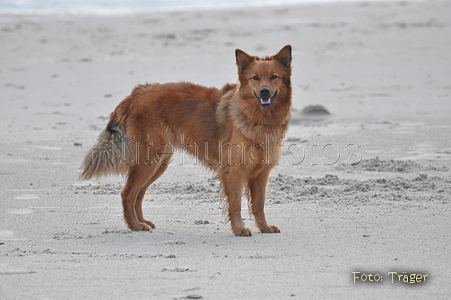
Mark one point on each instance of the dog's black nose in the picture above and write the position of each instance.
(264, 92)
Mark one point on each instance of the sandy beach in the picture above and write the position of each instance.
(366, 188)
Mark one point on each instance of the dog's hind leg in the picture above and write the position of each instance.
(256, 190)
(133, 193)
(161, 168)
(138, 206)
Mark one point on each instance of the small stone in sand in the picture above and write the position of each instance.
(315, 110)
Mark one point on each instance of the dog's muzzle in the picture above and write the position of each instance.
(265, 98)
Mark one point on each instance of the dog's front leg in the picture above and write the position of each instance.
(232, 187)
(256, 190)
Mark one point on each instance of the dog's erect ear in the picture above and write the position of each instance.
(284, 56)
(243, 59)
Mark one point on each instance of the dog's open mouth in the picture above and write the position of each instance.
(266, 102)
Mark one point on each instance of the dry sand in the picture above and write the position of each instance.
(380, 204)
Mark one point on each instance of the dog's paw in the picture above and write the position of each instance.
(151, 224)
(270, 229)
(141, 226)
(242, 232)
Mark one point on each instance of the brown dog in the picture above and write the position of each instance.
(236, 131)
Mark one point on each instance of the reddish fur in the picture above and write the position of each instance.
(188, 116)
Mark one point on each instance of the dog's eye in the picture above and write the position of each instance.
(273, 77)
(255, 78)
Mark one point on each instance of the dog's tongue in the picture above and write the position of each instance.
(265, 100)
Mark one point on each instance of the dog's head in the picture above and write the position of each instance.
(266, 79)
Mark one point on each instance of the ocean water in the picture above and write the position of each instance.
(131, 6)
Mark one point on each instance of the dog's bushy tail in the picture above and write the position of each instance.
(110, 156)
